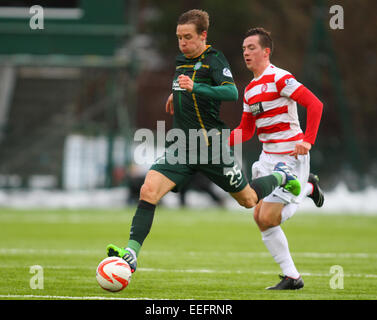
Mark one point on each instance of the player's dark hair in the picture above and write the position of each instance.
(199, 18)
(265, 39)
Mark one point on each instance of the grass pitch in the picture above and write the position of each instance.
(189, 254)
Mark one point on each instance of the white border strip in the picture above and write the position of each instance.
(49, 13)
(67, 297)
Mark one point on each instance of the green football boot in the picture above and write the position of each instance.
(126, 254)
(291, 182)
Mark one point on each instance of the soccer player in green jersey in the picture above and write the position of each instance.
(202, 80)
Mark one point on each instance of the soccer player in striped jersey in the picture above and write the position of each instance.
(201, 81)
(270, 109)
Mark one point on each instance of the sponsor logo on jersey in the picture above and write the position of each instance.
(256, 108)
(176, 86)
(227, 72)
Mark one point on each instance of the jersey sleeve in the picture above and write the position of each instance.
(246, 106)
(222, 93)
(314, 107)
(244, 131)
(287, 84)
(220, 70)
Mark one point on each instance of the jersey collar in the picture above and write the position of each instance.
(206, 49)
(264, 72)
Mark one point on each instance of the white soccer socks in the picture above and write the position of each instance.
(277, 243)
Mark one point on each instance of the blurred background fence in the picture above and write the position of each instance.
(73, 93)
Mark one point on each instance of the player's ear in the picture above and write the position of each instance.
(267, 52)
(203, 35)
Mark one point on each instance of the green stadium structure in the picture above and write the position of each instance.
(71, 76)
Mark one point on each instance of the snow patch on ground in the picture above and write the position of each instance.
(338, 201)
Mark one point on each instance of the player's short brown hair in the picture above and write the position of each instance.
(265, 39)
(199, 18)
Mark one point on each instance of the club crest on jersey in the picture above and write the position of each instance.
(197, 65)
(256, 108)
(264, 88)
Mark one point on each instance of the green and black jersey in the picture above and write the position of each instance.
(199, 111)
(213, 83)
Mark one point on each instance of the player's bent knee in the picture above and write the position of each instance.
(250, 204)
(267, 220)
(149, 193)
(247, 203)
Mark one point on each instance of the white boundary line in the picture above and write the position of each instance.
(308, 274)
(318, 255)
(207, 271)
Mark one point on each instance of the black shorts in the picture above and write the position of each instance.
(227, 175)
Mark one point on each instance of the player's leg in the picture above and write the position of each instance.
(232, 179)
(155, 186)
(268, 214)
(225, 171)
(161, 178)
(263, 186)
(274, 210)
(316, 193)
(290, 208)
(247, 197)
(299, 168)
(311, 190)
(268, 218)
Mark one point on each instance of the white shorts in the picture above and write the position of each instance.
(300, 167)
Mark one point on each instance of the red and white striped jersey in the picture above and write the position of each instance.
(268, 99)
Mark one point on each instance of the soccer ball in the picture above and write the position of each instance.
(113, 274)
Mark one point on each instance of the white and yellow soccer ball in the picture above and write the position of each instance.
(113, 274)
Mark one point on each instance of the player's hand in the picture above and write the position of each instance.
(301, 148)
(169, 105)
(185, 82)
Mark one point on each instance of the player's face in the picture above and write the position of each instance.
(190, 42)
(254, 55)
